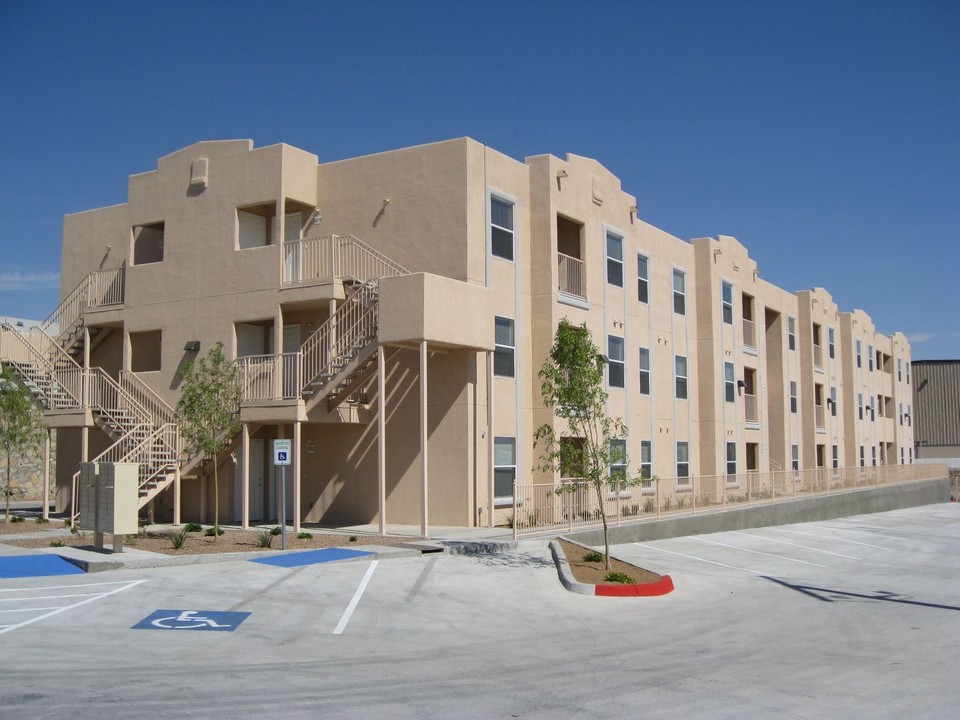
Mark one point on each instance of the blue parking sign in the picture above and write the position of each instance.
(192, 620)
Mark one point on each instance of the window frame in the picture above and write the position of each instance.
(729, 382)
(620, 364)
(791, 333)
(683, 466)
(646, 467)
(731, 461)
(832, 343)
(643, 279)
(620, 467)
(680, 379)
(504, 500)
(726, 303)
(679, 295)
(511, 204)
(614, 262)
(643, 360)
(794, 405)
(503, 350)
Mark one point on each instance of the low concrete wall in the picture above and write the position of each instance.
(825, 507)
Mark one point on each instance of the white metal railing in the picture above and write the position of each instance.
(146, 397)
(113, 402)
(354, 324)
(750, 411)
(540, 508)
(570, 276)
(60, 385)
(818, 415)
(817, 356)
(335, 256)
(100, 288)
(749, 333)
(268, 378)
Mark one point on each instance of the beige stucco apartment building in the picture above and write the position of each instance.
(390, 313)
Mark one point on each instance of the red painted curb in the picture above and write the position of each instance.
(663, 586)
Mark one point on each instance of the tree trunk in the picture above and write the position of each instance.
(216, 501)
(7, 515)
(606, 538)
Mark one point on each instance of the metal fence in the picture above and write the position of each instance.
(551, 508)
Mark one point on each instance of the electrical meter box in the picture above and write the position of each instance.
(109, 497)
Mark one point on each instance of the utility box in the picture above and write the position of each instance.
(109, 500)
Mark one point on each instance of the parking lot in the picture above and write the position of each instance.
(852, 617)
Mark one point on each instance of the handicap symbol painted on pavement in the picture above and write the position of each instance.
(192, 620)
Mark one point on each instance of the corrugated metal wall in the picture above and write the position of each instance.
(936, 402)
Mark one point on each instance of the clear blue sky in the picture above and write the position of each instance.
(824, 135)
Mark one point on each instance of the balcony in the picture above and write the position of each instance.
(570, 276)
(749, 333)
(335, 256)
(750, 405)
(818, 414)
(818, 356)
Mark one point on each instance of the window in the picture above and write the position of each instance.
(501, 228)
(729, 383)
(873, 411)
(615, 371)
(503, 360)
(614, 259)
(148, 243)
(793, 396)
(644, 371)
(899, 370)
(901, 414)
(833, 401)
(679, 292)
(255, 225)
(831, 343)
(860, 405)
(646, 464)
(836, 457)
(680, 363)
(908, 375)
(873, 455)
(145, 351)
(910, 455)
(683, 462)
(901, 454)
(791, 333)
(731, 462)
(618, 467)
(726, 299)
(795, 457)
(870, 357)
(861, 456)
(909, 415)
(859, 354)
(504, 468)
(643, 279)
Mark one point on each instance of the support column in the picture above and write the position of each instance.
(85, 380)
(381, 440)
(177, 494)
(491, 488)
(245, 476)
(203, 497)
(425, 495)
(46, 476)
(277, 351)
(297, 427)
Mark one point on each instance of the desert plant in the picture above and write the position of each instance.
(304, 536)
(615, 576)
(193, 527)
(265, 538)
(40, 520)
(178, 539)
(17, 519)
(681, 502)
(650, 505)
(214, 531)
(56, 543)
(668, 502)
(593, 556)
(276, 531)
(353, 538)
(21, 426)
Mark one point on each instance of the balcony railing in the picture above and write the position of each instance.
(269, 378)
(750, 409)
(749, 333)
(818, 356)
(335, 256)
(101, 288)
(570, 276)
(818, 413)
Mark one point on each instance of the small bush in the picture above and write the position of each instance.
(40, 520)
(192, 527)
(66, 522)
(178, 539)
(681, 501)
(353, 538)
(211, 532)
(265, 538)
(276, 531)
(304, 536)
(615, 576)
(16, 518)
(593, 556)
(649, 505)
(56, 543)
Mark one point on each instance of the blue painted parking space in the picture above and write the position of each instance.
(19, 566)
(311, 557)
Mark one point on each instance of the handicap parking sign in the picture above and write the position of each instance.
(192, 620)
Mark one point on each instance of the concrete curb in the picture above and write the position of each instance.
(662, 587)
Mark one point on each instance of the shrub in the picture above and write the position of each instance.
(353, 538)
(304, 536)
(40, 520)
(276, 531)
(67, 522)
(265, 538)
(178, 539)
(615, 576)
(56, 543)
(193, 527)
(681, 501)
(650, 505)
(212, 532)
(593, 556)
(16, 518)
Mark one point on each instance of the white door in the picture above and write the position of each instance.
(291, 344)
(256, 483)
(291, 248)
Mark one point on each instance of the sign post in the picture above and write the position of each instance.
(282, 451)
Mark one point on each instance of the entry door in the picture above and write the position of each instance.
(291, 248)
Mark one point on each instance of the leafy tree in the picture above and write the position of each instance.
(21, 425)
(207, 412)
(572, 386)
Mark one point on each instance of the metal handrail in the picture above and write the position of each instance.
(331, 256)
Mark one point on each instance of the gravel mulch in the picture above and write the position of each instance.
(593, 572)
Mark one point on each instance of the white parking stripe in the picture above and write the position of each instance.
(98, 596)
(345, 618)
(64, 587)
(829, 537)
(757, 552)
(805, 547)
(694, 557)
(49, 597)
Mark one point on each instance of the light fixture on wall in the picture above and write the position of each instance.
(741, 384)
(192, 346)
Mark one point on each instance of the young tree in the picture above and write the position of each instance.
(21, 426)
(208, 412)
(572, 386)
